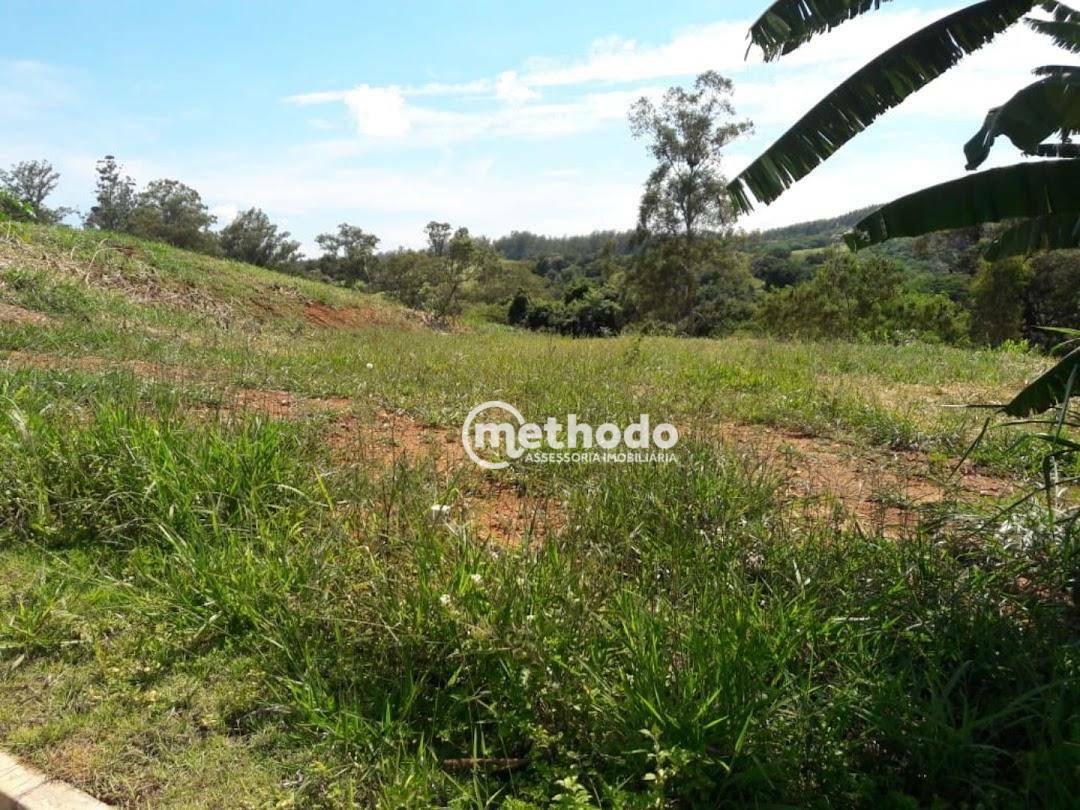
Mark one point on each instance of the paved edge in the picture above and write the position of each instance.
(23, 788)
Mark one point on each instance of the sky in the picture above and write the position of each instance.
(496, 116)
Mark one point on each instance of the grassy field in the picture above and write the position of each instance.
(222, 584)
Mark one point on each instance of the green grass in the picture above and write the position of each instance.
(220, 609)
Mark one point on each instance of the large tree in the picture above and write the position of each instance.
(685, 204)
(169, 211)
(31, 182)
(115, 198)
(687, 133)
(251, 237)
(349, 254)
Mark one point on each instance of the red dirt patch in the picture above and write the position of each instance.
(395, 435)
(502, 514)
(879, 490)
(350, 318)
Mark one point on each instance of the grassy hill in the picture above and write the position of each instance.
(224, 583)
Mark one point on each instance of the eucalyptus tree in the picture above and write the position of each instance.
(1040, 199)
(685, 203)
(687, 132)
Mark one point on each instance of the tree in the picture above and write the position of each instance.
(251, 237)
(1053, 295)
(685, 197)
(1043, 199)
(454, 258)
(171, 212)
(349, 254)
(115, 198)
(31, 182)
(849, 299)
(438, 234)
(997, 298)
(687, 131)
(778, 268)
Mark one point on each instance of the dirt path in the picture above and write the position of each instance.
(878, 490)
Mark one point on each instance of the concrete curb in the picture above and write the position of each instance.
(23, 788)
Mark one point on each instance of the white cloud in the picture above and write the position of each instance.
(378, 112)
(509, 88)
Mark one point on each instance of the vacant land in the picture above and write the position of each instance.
(222, 584)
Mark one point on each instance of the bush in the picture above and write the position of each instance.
(586, 311)
(853, 299)
(12, 209)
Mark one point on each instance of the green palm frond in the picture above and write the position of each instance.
(787, 24)
(1047, 391)
(879, 86)
(1023, 191)
(1032, 115)
(1065, 35)
(1064, 29)
(1051, 232)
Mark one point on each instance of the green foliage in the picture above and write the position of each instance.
(778, 268)
(1035, 113)
(787, 24)
(1052, 295)
(851, 299)
(168, 211)
(251, 237)
(1045, 232)
(585, 311)
(115, 198)
(1021, 191)
(12, 209)
(997, 293)
(665, 649)
(348, 254)
(30, 183)
(700, 287)
(521, 245)
(1064, 29)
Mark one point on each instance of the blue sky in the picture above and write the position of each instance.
(492, 115)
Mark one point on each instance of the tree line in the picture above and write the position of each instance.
(684, 269)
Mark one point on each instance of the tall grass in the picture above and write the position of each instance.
(681, 642)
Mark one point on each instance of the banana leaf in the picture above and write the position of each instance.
(877, 87)
(1052, 232)
(1022, 191)
(1047, 391)
(1064, 29)
(1035, 113)
(1065, 34)
(787, 24)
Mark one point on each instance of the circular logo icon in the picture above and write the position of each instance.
(504, 429)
